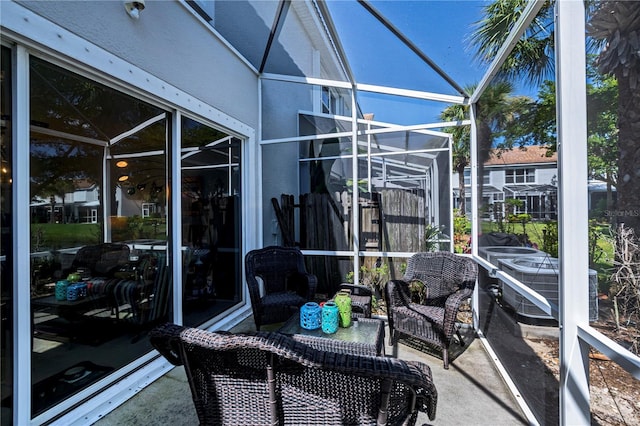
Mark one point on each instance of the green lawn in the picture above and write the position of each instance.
(61, 235)
(53, 236)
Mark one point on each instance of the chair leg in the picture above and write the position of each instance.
(445, 358)
(460, 339)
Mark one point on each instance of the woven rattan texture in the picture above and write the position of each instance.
(449, 280)
(286, 283)
(229, 379)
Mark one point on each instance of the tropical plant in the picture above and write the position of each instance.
(431, 235)
(614, 31)
(532, 56)
(374, 277)
(615, 28)
(460, 146)
(496, 110)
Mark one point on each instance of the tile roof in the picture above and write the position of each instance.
(525, 155)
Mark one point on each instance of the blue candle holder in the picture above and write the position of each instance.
(310, 316)
(330, 317)
(61, 290)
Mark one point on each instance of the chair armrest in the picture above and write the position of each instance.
(304, 284)
(426, 394)
(356, 289)
(166, 339)
(451, 308)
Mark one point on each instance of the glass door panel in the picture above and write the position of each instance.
(100, 273)
(211, 222)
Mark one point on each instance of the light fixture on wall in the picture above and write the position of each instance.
(123, 178)
(122, 164)
(134, 8)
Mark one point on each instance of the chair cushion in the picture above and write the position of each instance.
(414, 310)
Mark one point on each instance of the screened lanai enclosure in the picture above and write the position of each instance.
(144, 156)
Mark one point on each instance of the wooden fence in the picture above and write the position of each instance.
(390, 220)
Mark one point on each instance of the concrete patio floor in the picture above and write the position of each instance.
(471, 392)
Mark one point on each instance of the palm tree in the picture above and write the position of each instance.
(532, 57)
(460, 146)
(615, 26)
(495, 109)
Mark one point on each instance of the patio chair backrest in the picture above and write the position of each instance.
(267, 378)
(275, 265)
(101, 259)
(442, 273)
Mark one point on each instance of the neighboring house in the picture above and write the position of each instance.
(81, 205)
(526, 174)
(530, 175)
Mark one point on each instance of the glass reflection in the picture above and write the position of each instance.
(101, 277)
(517, 177)
(211, 227)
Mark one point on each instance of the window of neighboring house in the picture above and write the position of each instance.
(520, 176)
(486, 177)
(147, 209)
(498, 196)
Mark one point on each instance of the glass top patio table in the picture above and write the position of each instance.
(365, 336)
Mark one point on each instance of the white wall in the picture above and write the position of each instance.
(168, 41)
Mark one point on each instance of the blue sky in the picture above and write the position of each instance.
(439, 28)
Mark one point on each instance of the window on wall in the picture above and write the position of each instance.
(486, 177)
(101, 277)
(334, 102)
(520, 176)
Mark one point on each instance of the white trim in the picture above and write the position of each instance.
(175, 238)
(21, 239)
(307, 80)
(614, 351)
(115, 395)
(415, 94)
(531, 418)
(461, 100)
(573, 227)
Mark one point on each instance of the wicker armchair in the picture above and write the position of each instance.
(287, 285)
(267, 378)
(448, 281)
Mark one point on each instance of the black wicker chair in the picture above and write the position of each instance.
(286, 283)
(267, 378)
(448, 281)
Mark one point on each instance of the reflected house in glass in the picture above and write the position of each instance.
(223, 111)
